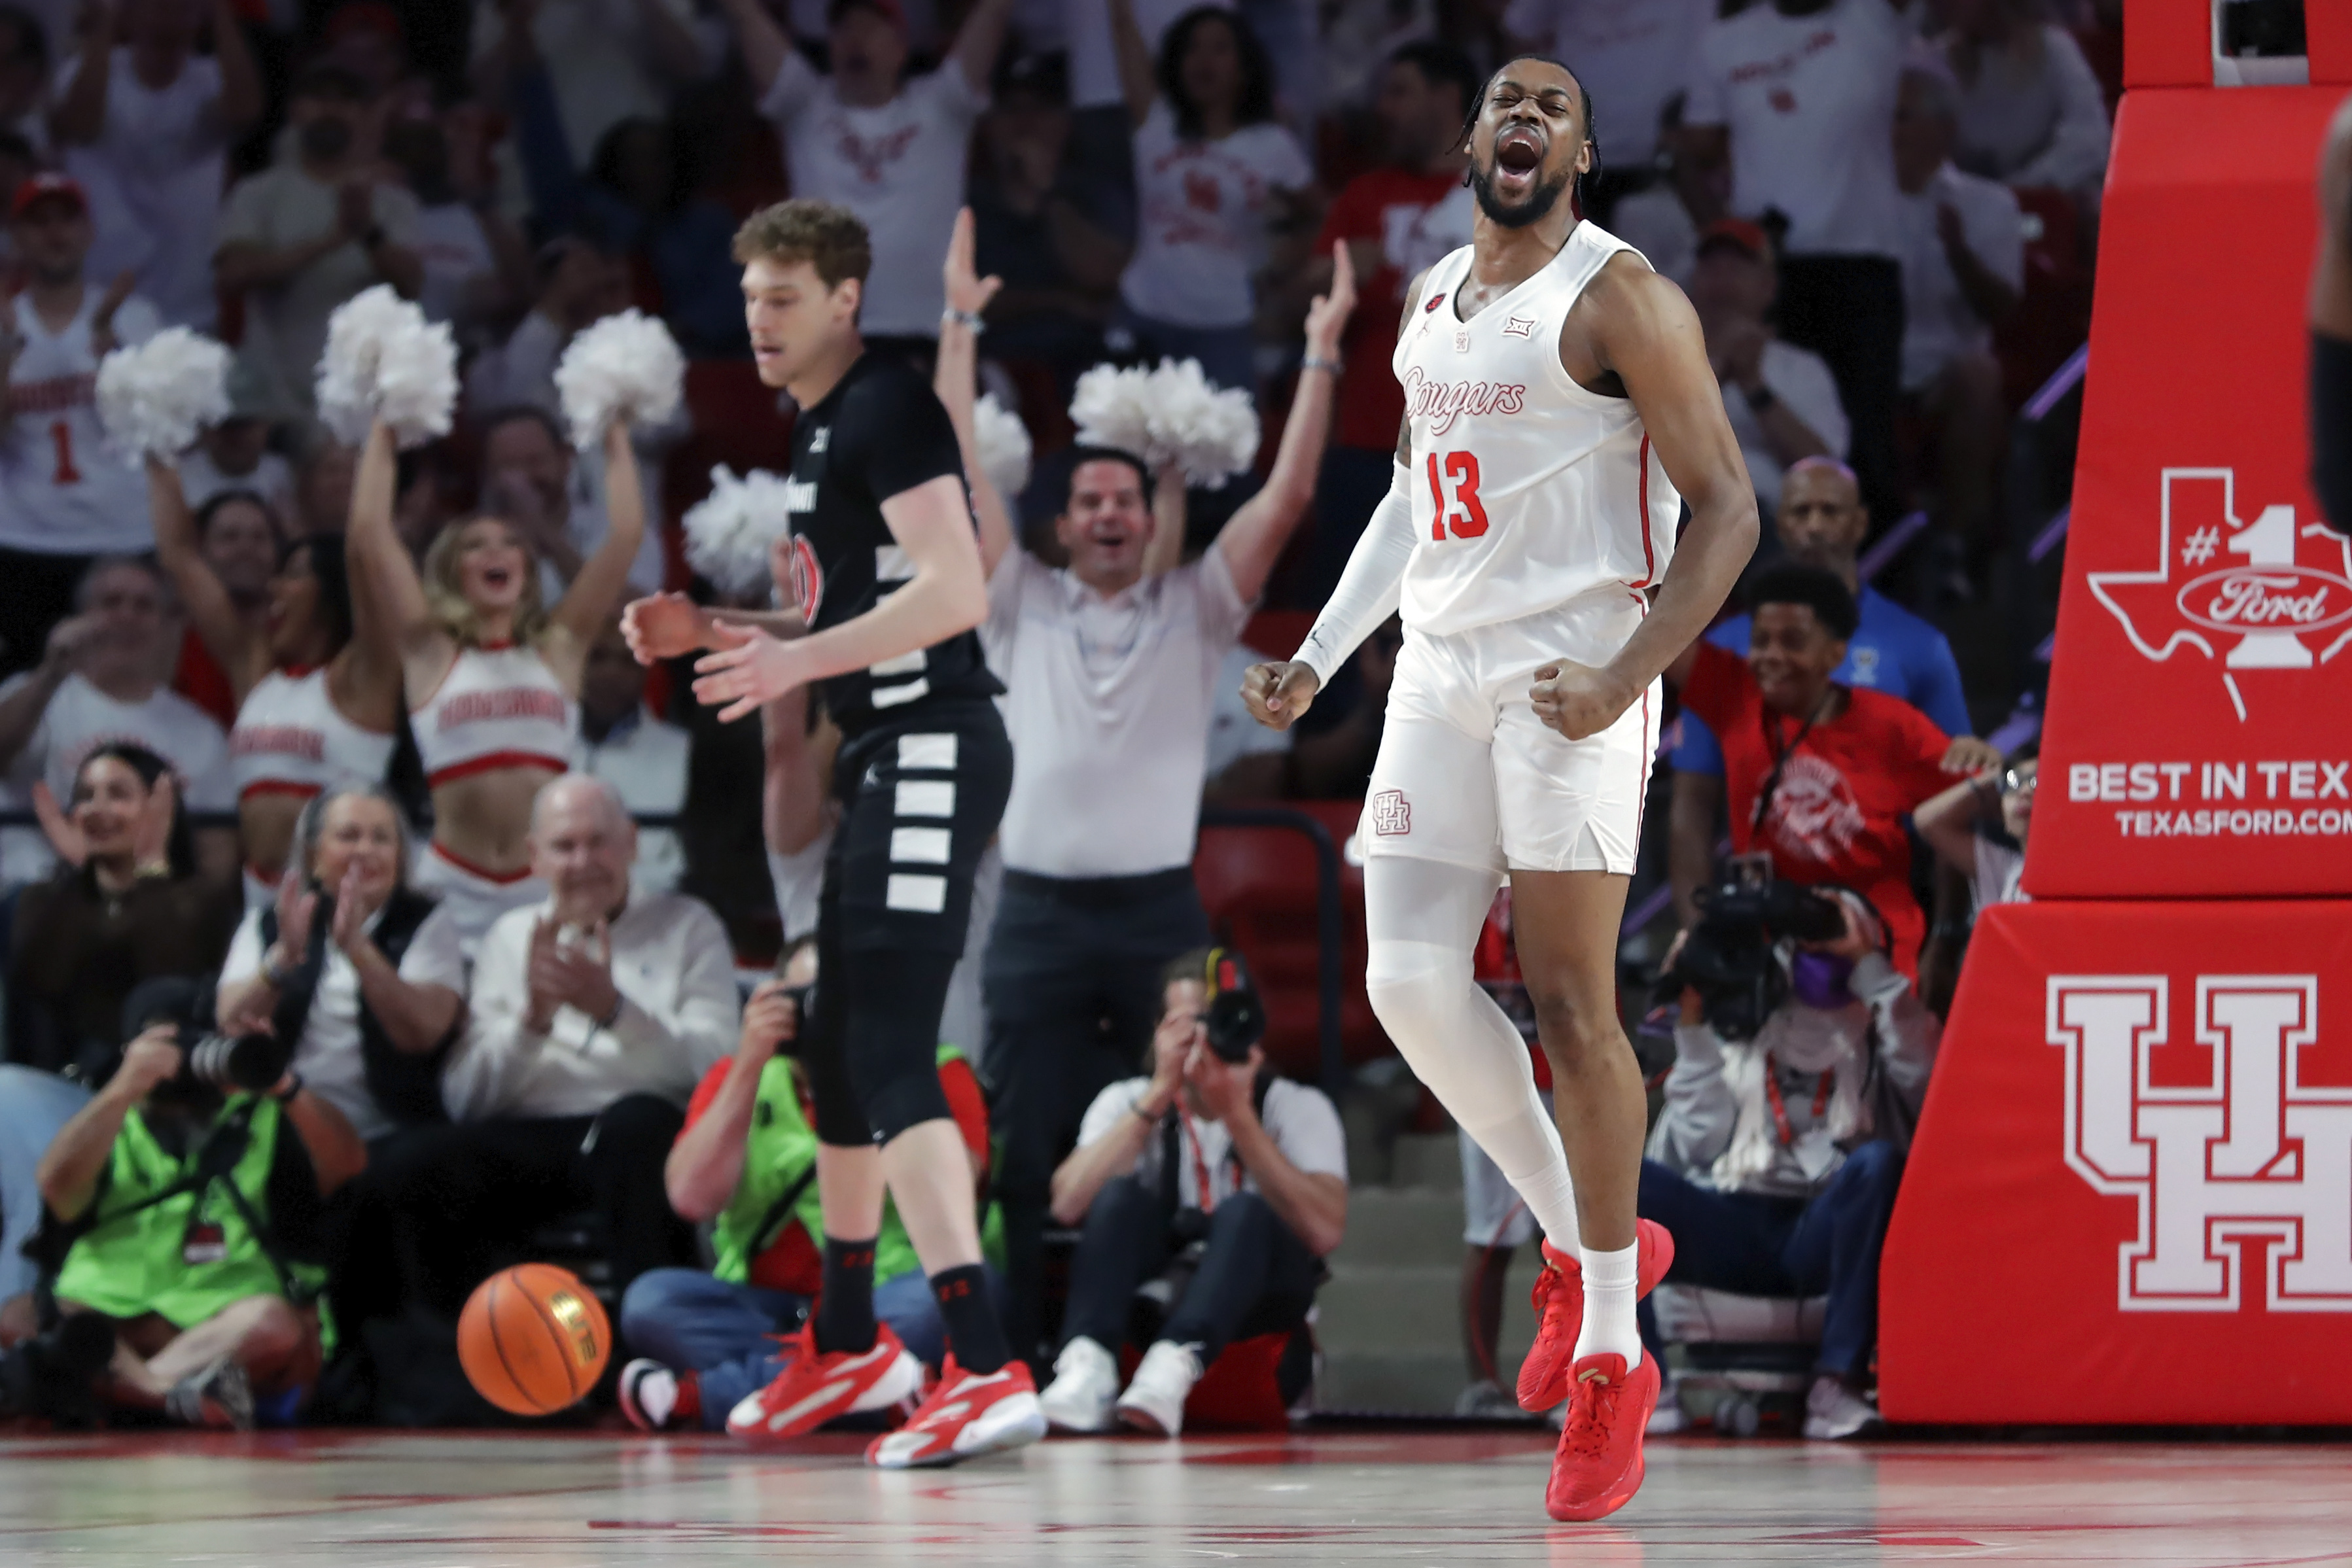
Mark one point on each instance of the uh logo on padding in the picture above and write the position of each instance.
(2256, 593)
(2252, 1170)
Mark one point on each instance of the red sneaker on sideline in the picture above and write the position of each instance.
(1597, 1468)
(967, 1413)
(814, 1388)
(1558, 1299)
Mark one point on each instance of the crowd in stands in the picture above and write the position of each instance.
(352, 736)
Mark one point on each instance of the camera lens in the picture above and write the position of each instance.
(251, 1062)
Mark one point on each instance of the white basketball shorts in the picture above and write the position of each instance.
(1468, 775)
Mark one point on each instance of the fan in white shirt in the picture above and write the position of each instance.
(1963, 268)
(66, 491)
(146, 127)
(641, 757)
(1781, 399)
(1635, 53)
(2031, 110)
(889, 147)
(100, 681)
(1213, 171)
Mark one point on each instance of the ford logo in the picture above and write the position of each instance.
(2267, 598)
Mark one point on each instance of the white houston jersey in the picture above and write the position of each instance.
(1528, 490)
(67, 489)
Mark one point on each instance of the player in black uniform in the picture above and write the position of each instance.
(886, 573)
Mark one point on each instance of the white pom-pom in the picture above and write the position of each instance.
(1005, 447)
(1171, 414)
(155, 397)
(730, 532)
(625, 366)
(384, 360)
(1112, 407)
(1209, 432)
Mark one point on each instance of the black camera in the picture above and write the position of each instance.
(1729, 958)
(250, 1062)
(1232, 1015)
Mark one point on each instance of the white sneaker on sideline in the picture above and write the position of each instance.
(1154, 1400)
(1668, 1417)
(1085, 1381)
(1834, 1412)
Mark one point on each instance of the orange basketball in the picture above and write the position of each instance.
(532, 1340)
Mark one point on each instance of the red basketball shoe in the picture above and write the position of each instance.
(967, 1414)
(1597, 1468)
(1559, 1311)
(813, 1387)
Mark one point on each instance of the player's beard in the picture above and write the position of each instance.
(1540, 201)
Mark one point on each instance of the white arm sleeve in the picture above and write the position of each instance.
(1369, 588)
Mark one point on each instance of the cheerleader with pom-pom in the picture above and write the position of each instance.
(492, 673)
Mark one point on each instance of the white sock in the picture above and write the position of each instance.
(1609, 1325)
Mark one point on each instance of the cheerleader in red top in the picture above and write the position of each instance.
(317, 683)
(492, 677)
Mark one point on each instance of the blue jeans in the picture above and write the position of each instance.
(1753, 1245)
(33, 1107)
(1228, 355)
(727, 1334)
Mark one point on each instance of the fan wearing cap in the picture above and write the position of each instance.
(69, 496)
(1781, 399)
(302, 236)
(1210, 1147)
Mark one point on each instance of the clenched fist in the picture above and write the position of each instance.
(1278, 694)
(1579, 701)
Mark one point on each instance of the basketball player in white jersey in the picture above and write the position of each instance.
(1559, 409)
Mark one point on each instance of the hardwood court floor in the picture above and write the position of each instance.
(331, 1499)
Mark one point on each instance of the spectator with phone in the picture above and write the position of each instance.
(1212, 1162)
(746, 1165)
(187, 1208)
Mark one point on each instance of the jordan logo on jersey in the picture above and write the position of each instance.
(1392, 814)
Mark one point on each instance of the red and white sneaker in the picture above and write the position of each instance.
(813, 1387)
(1559, 1301)
(1597, 1468)
(965, 1413)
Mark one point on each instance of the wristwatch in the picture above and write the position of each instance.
(970, 320)
(1318, 362)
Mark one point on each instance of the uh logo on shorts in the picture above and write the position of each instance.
(2217, 1169)
(2265, 594)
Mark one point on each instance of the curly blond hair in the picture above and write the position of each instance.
(445, 591)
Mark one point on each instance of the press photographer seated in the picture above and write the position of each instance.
(185, 1204)
(1773, 1161)
(1821, 775)
(1213, 1152)
(747, 1164)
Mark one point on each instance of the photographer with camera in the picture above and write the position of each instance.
(1820, 775)
(1775, 1158)
(746, 1165)
(185, 1197)
(1215, 1162)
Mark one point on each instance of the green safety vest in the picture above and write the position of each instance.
(780, 1162)
(132, 1258)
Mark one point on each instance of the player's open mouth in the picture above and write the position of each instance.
(1518, 154)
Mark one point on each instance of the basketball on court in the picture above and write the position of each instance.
(533, 1340)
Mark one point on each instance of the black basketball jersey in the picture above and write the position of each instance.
(879, 431)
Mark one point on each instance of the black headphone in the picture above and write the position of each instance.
(1234, 1015)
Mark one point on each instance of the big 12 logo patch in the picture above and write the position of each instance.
(2259, 594)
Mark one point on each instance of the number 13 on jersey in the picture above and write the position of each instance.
(1462, 511)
